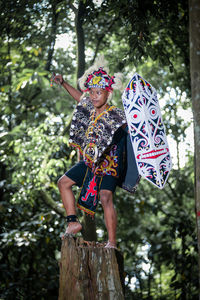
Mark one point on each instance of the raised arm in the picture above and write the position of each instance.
(76, 94)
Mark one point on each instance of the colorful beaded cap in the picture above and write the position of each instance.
(99, 79)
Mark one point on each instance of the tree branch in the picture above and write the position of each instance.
(52, 36)
(172, 190)
(100, 39)
(51, 203)
(73, 8)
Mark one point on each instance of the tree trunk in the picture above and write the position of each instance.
(88, 271)
(52, 35)
(80, 39)
(194, 31)
(89, 229)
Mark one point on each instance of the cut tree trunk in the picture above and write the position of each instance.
(90, 271)
(194, 30)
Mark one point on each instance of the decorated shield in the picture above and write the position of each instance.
(147, 131)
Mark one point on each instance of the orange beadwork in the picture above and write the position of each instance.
(94, 120)
(92, 136)
(109, 164)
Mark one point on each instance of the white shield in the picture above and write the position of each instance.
(147, 131)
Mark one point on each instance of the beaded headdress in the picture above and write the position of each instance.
(97, 77)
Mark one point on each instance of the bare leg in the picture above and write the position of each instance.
(65, 187)
(110, 216)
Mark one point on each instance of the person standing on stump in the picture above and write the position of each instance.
(97, 131)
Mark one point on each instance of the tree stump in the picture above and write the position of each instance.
(88, 271)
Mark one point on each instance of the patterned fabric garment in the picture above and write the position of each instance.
(99, 141)
(93, 135)
(103, 176)
(109, 164)
(89, 194)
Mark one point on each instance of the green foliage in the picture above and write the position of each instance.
(156, 229)
(157, 237)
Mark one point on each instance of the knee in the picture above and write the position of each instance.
(64, 182)
(106, 198)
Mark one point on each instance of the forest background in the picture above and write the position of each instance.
(156, 228)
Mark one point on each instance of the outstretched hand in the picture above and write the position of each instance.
(58, 79)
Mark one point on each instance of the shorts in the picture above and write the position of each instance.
(78, 172)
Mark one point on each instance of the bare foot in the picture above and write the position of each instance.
(111, 245)
(73, 228)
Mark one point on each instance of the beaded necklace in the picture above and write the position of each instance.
(90, 149)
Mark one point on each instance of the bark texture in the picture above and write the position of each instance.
(89, 271)
(79, 19)
(194, 30)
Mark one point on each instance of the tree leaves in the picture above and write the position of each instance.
(155, 228)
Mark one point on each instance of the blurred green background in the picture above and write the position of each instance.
(156, 228)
